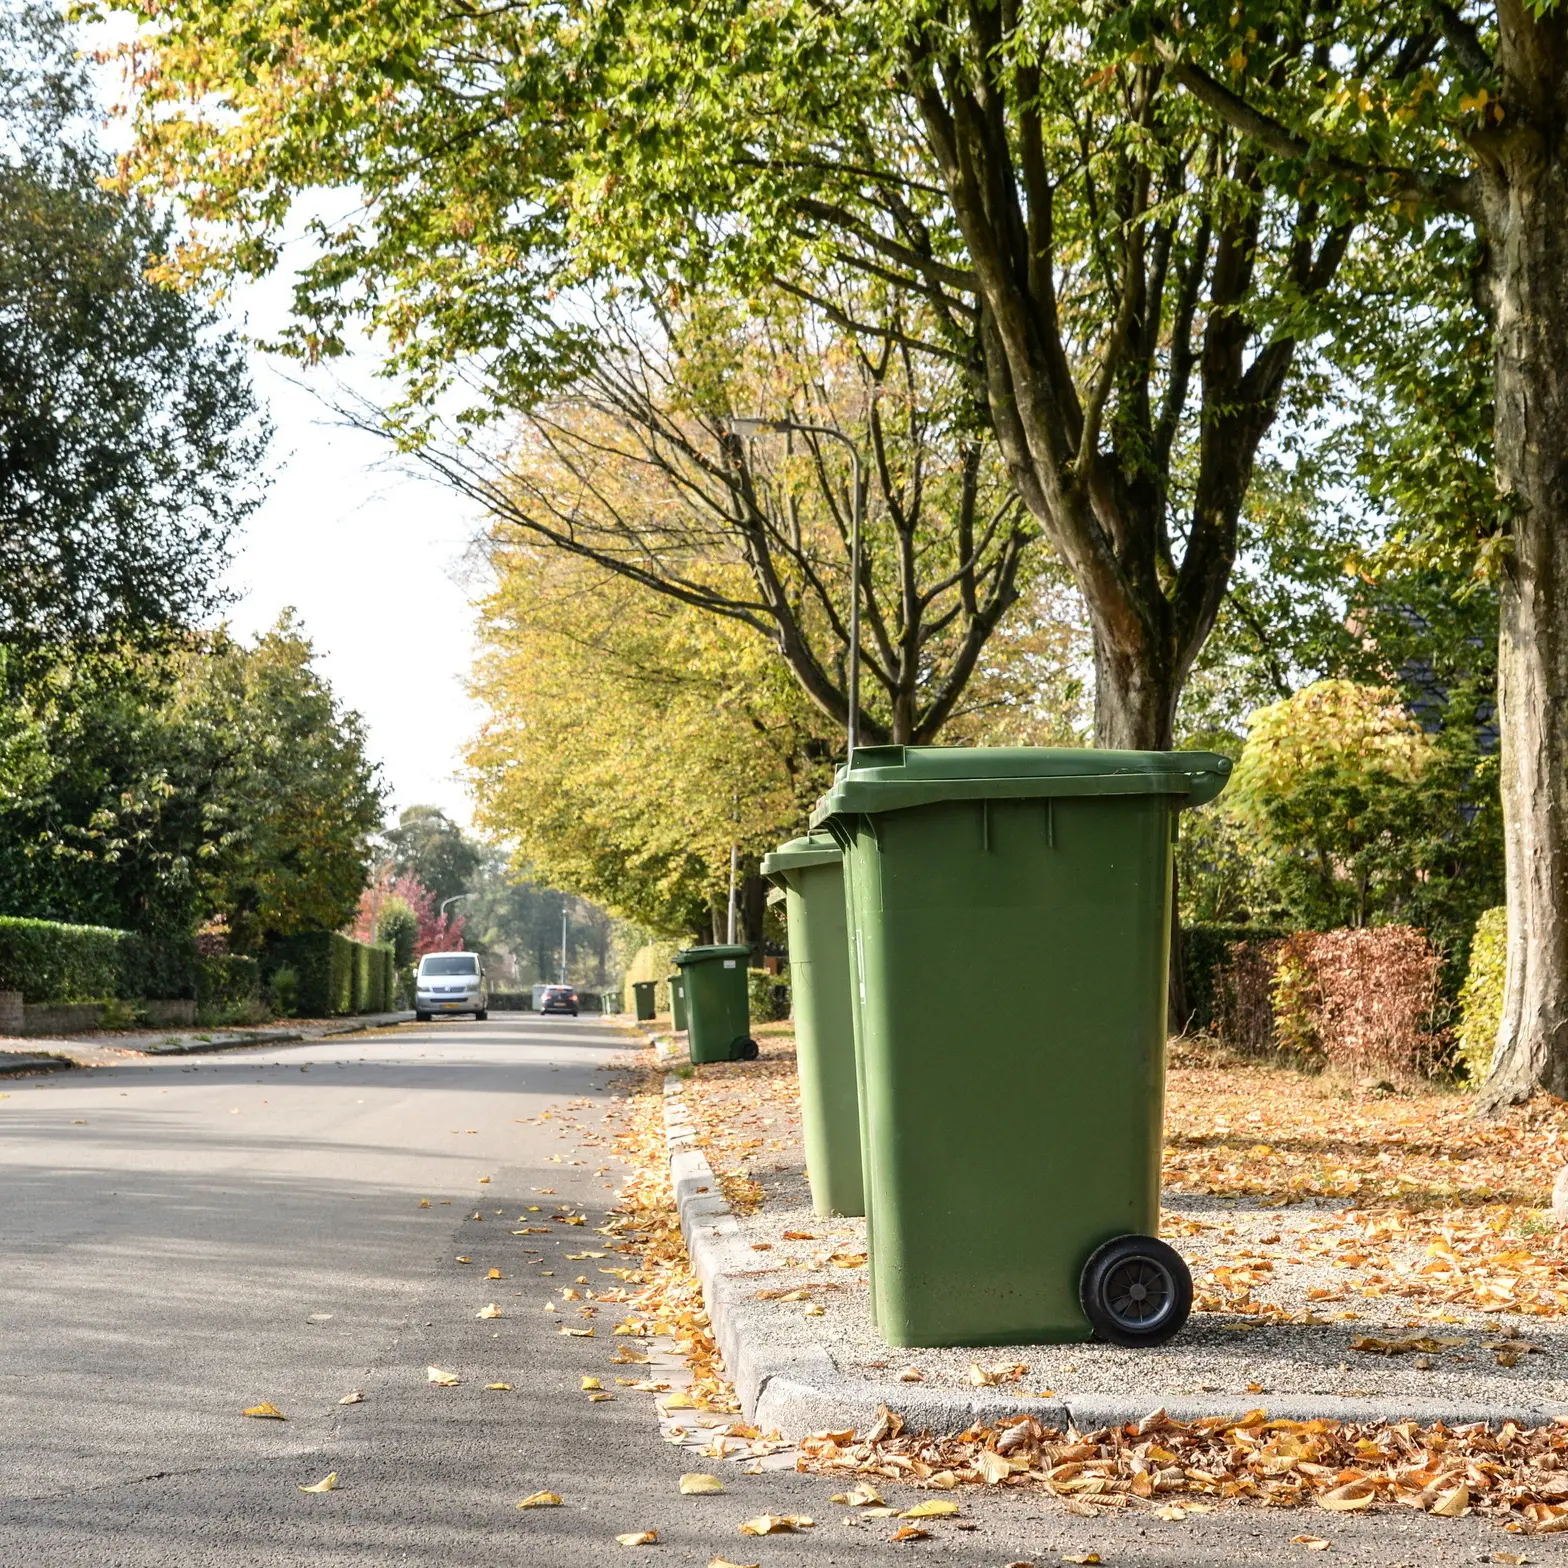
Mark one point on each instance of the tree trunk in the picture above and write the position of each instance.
(1526, 195)
(1134, 695)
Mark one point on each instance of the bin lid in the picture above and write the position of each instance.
(890, 778)
(814, 849)
(700, 955)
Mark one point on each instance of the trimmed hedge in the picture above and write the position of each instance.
(50, 961)
(768, 995)
(1481, 998)
(335, 974)
(1205, 953)
(227, 980)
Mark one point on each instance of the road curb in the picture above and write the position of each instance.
(797, 1391)
(280, 1036)
(13, 1064)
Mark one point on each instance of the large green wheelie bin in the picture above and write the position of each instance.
(642, 993)
(677, 1002)
(1009, 932)
(810, 870)
(718, 1010)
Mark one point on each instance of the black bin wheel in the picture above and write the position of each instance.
(1135, 1291)
(743, 1051)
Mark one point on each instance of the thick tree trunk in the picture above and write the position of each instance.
(1134, 696)
(1526, 199)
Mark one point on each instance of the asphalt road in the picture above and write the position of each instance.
(184, 1239)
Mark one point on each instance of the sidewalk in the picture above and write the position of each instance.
(1309, 1308)
(115, 1047)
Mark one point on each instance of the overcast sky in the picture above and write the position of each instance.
(372, 557)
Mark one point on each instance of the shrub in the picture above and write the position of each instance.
(227, 984)
(1362, 1000)
(1244, 996)
(398, 928)
(360, 981)
(1481, 997)
(767, 995)
(159, 966)
(1208, 952)
(283, 987)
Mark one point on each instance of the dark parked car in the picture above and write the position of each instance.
(558, 999)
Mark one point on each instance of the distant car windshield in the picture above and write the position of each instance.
(449, 964)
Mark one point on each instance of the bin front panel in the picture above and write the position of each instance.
(718, 1010)
(1014, 958)
(643, 993)
(677, 1004)
(824, 1036)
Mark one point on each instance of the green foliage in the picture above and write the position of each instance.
(427, 845)
(1360, 817)
(153, 789)
(1220, 879)
(282, 985)
(227, 983)
(130, 439)
(333, 974)
(397, 927)
(1481, 997)
(50, 962)
(768, 995)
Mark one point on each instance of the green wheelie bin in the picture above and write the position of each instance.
(718, 1010)
(1009, 932)
(810, 871)
(642, 992)
(677, 1002)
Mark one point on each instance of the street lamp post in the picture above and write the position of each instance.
(441, 912)
(741, 429)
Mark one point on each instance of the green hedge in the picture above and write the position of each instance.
(49, 961)
(1481, 998)
(335, 975)
(1205, 950)
(768, 996)
(227, 980)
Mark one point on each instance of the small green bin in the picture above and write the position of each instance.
(718, 1012)
(677, 1002)
(810, 871)
(1009, 932)
(642, 993)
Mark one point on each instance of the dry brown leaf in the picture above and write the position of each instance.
(328, 1483)
(442, 1379)
(992, 1468)
(910, 1532)
(724, 1562)
(491, 1311)
(695, 1483)
(931, 1508)
(1352, 1497)
(776, 1524)
(638, 1538)
(541, 1500)
(1452, 1503)
(911, 1375)
(265, 1411)
(500, 1388)
(1081, 1557)
(493, 1274)
(356, 1398)
(1313, 1543)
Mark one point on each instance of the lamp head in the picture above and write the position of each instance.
(744, 429)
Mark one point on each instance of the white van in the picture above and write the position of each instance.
(450, 983)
